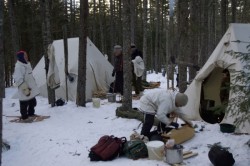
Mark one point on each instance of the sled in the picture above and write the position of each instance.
(189, 154)
(37, 118)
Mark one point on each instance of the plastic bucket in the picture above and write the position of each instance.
(111, 97)
(96, 102)
(174, 155)
(155, 150)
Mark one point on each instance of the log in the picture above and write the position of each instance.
(133, 114)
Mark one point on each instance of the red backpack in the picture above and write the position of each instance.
(107, 148)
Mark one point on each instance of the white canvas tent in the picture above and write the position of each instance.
(212, 73)
(99, 70)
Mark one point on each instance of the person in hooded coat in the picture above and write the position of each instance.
(27, 88)
(165, 105)
(136, 80)
(118, 70)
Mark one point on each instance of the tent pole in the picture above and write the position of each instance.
(65, 42)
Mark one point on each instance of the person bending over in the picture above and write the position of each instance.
(162, 103)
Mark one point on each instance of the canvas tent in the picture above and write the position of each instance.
(207, 82)
(99, 70)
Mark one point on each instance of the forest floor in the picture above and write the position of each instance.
(66, 137)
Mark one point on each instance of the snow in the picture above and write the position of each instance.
(65, 138)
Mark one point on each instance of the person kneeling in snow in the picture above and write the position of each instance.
(162, 104)
(27, 88)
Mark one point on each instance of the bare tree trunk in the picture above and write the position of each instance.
(101, 25)
(47, 39)
(132, 22)
(127, 74)
(65, 44)
(35, 58)
(66, 11)
(157, 44)
(171, 66)
(212, 27)
(94, 21)
(112, 30)
(245, 9)
(14, 33)
(2, 87)
(224, 5)
(204, 33)
(81, 82)
(183, 37)
(15, 38)
(145, 33)
(193, 40)
(120, 27)
(233, 6)
(152, 58)
(72, 18)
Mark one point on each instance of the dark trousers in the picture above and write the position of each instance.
(27, 108)
(137, 84)
(147, 125)
(119, 82)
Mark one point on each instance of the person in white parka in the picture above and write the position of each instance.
(27, 88)
(165, 105)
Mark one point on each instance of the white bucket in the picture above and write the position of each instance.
(155, 150)
(111, 97)
(96, 102)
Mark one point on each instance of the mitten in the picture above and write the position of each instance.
(25, 89)
(176, 125)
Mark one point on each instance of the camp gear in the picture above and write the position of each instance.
(155, 150)
(137, 136)
(220, 156)
(180, 135)
(227, 128)
(170, 143)
(96, 102)
(107, 148)
(156, 137)
(135, 149)
(60, 102)
(111, 97)
(174, 155)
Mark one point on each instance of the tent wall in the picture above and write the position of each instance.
(99, 70)
(219, 59)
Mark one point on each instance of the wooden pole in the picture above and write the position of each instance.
(2, 86)
(65, 42)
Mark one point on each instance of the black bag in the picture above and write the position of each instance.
(107, 148)
(60, 102)
(220, 156)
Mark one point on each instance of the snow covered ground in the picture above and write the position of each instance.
(65, 138)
